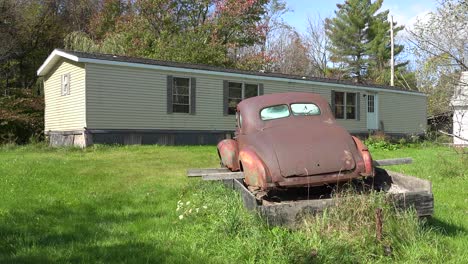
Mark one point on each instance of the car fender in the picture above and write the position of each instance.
(255, 171)
(229, 154)
(366, 157)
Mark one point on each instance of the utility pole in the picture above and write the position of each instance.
(392, 60)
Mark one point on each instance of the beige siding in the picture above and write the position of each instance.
(402, 113)
(67, 112)
(132, 98)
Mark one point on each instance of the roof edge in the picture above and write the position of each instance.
(57, 53)
(52, 60)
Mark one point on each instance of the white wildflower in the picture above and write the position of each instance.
(187, 203)
(190, 211)
(205, 207)
(181, 217)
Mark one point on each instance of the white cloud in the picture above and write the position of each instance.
(408, 15)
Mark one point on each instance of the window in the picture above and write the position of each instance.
(350, 106)
(181, 95)
(274, 112)
(65, 84)
(345, 105)
(306, 109)
(370, 104)
(234, 97)
(238, 92)
(339, 105)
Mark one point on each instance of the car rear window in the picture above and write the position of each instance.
(274, 112)
(307, 109)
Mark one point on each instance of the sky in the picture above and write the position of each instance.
(404, 11)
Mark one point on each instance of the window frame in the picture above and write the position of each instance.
(287, 106)
(64, 91)
(189, 94)
(292, 112)
(243, 84)
(370, 106)
(345, 105)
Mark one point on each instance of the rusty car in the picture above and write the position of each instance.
(292, 140)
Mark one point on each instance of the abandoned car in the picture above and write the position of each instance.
(292, 140)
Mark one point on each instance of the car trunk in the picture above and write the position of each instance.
(312, 149)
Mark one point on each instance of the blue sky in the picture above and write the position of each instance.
(403, 11)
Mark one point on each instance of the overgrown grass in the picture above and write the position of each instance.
(134, 205)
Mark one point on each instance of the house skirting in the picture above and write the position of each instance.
(84, 138)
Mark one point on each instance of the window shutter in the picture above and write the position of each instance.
(260, 89)
(193, 95)
(170, 83)
(358, 106)
(333, 102)
(225, 97)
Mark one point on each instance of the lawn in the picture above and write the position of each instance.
(133, 204)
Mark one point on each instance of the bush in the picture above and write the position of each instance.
(21, 117)
(381, 141)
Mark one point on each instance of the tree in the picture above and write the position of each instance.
(318, 45)
(209, 31)
(440, 44)
(348, 35)
(441, 49)
(360, 40)
(379, 48)
(290, 54)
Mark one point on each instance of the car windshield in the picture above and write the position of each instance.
(307, 109)
(274, 112)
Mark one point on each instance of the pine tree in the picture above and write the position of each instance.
(379, 49)
(360, 39)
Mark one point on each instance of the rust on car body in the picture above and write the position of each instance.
(292, 139)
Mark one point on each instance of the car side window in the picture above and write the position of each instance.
(274, 112)
(306, 109)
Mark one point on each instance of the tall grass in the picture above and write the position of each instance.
(345, 233)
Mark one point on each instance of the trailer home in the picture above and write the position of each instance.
(101, 98)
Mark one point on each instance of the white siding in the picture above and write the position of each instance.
(67, 112)
(460, 126)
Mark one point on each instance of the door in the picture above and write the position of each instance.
(372, 112)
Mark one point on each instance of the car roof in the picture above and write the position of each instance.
(250, 108)
(255, 104)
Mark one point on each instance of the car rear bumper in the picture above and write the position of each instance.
(315, 180)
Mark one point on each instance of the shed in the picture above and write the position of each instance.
(102, 98)
(460, 111)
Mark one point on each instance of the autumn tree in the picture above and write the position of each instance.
(290, 54)
(210, 31)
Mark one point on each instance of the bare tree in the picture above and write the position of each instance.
(291, 54)
(318, 43)
(441, 48)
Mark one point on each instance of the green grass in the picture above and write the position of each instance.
(119, 205)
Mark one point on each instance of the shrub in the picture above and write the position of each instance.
(21, 117)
